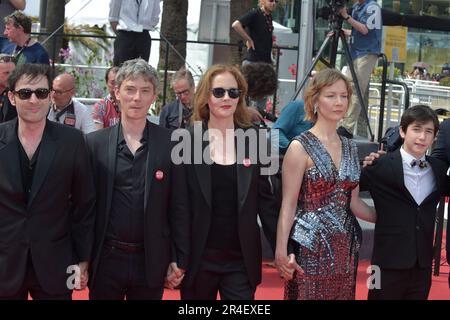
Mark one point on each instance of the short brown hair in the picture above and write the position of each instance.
(421, 114)
(19, 19)
(201, 109)
(320, 80)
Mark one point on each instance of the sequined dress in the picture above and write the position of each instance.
(325, 234)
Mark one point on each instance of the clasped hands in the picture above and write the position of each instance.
(287, 265)
(174, 276)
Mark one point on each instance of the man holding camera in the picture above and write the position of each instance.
(365, 45)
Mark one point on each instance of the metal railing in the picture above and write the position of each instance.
(167, 42)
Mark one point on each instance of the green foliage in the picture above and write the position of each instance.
(88, 81)
(377, 73)
(445, 82)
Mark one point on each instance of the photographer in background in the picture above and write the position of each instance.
(6, 8)
(365, 45)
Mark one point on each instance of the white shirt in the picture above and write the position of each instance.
(83, 117)
(419, 182)
(134, 15)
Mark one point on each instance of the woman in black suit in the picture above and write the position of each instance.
(227, 192)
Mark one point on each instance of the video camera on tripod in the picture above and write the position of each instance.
(331, 12)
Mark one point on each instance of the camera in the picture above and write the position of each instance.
(330, 12)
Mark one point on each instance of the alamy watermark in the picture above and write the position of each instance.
(374, 279)
(74, 280)
(252, 146)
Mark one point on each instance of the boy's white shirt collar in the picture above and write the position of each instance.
(408, 158)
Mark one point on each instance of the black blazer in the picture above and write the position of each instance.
(166, 204)
(442, 151)
(8, 110)
(57, 223)
(404, 230)
(255, 198)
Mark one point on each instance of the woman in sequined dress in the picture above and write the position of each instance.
(318, 237)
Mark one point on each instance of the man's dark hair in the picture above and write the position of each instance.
(19, 19)
(31, 71)
(112, 69)
(261, 78)
(419, 113)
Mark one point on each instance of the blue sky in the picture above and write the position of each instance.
(32, 7)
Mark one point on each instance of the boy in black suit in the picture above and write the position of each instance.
(406, 186)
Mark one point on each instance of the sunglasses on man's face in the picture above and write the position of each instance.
(7, 58)
(25, 94)
(276, 1)
(233, 93)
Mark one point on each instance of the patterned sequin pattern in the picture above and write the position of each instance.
(326, 233)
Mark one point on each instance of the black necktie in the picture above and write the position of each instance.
(420, 163)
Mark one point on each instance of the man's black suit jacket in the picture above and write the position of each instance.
(255, 197)
(167, 218)
(442, 151)
(404, 230)
(57, 224)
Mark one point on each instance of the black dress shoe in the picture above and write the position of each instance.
(344, 132)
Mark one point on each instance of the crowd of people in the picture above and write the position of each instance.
(126, 207)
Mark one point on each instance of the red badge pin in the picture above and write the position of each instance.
(159, 175)
(246, 162)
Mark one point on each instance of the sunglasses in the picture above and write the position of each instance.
(233, 93)
(25, 94)
(276, 1)
(5, 58)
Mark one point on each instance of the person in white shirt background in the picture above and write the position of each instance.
(132, 20)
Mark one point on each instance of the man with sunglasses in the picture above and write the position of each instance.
(22, 46)
(177, 114)
(7, 110)
(47, 196)
(6, 8)
(65, 109)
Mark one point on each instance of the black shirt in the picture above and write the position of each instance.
(126, 221)
(27, 168)
(259, 27)
(223, 233)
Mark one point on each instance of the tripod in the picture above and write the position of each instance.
(332, 39)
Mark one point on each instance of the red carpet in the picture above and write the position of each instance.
(272, 286)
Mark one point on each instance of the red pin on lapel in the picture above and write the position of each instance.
(246, 162)
(159, 175)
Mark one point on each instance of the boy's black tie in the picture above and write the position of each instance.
(420, 163)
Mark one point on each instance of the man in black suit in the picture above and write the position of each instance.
(406, 186)
(142, 222)
(46, 196)
(442, 151)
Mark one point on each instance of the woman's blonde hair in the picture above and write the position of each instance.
(201, 108)
(320, 80)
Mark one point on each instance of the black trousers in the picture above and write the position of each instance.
(403, 284)
(31, 285)
(223, 273)
(121, 275)
(131, 45)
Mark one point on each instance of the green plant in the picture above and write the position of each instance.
(87, 80)
(445, 82)
(377, 73)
